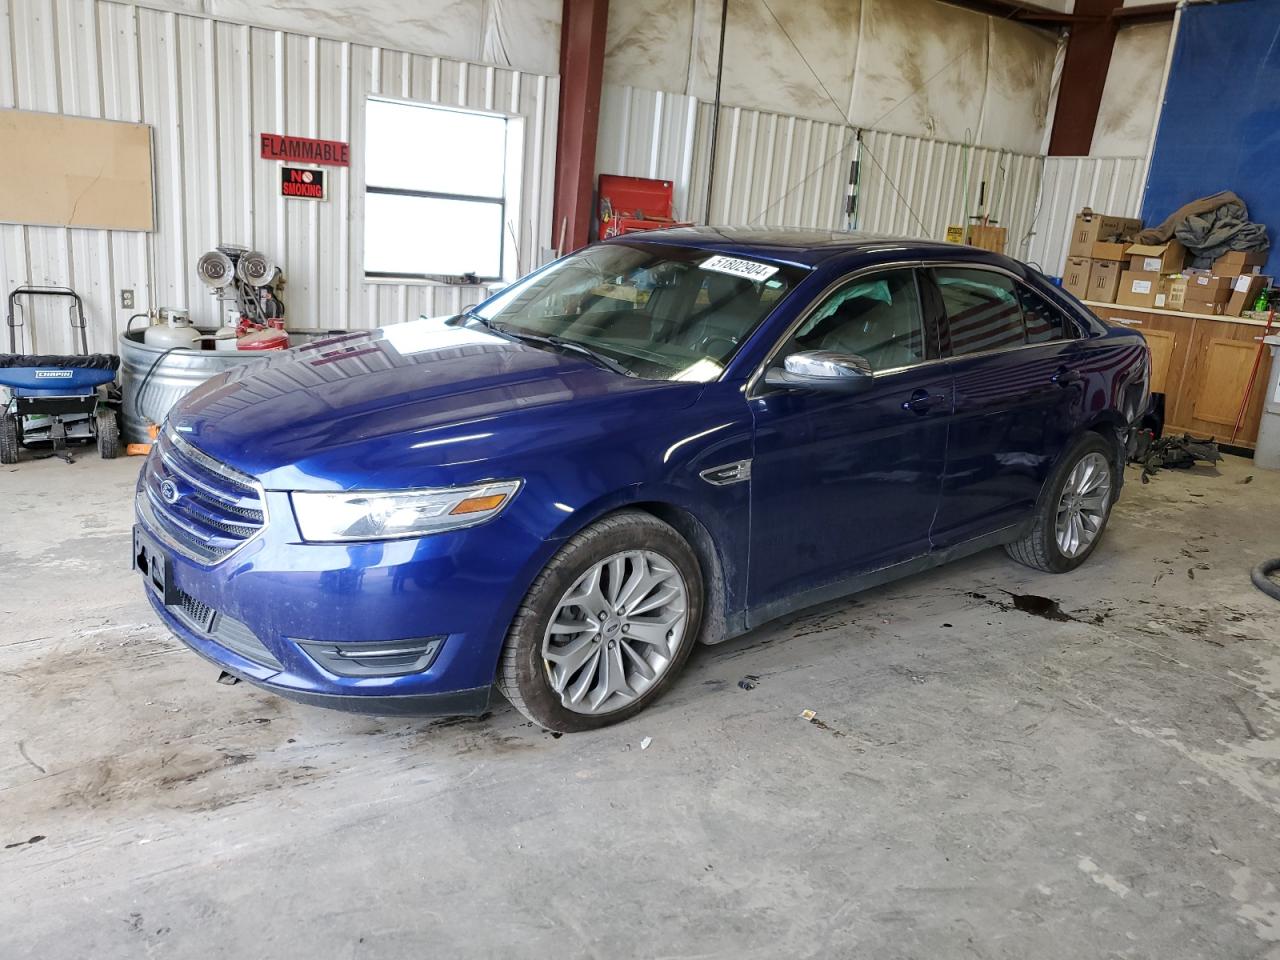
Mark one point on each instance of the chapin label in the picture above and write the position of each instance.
(53, 374)
(747, 269)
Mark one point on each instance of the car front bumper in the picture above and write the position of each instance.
(260, 613)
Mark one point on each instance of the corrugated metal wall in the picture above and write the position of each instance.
(208, 88)
(778, 170)
(1111, 185)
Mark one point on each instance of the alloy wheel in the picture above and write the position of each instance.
(615, 632)
(1082, 509)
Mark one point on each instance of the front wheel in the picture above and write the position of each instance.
(605, 627)
(1073, 511)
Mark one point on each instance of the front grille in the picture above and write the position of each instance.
(211, 509)
(225, 631)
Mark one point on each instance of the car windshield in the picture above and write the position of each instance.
(652, 311)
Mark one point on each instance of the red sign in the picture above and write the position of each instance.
(334, 153)
(298, 182)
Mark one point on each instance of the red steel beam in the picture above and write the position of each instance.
(1084, 73)
(582, 36)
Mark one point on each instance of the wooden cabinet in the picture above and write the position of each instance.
(1162, 344)
(1223, 377)
(1202, 365)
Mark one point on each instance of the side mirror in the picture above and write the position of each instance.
(823, 370)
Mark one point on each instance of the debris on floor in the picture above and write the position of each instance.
(644, 744)
(1175, 453)
(749, 682)
(24, 843)
(812, 717)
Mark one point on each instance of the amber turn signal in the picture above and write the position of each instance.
(479, 504)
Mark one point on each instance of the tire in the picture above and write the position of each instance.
(108, 434)
(525, 676)
(1040, 548)
(8, 438)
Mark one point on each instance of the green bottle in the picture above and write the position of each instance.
(1260, 305)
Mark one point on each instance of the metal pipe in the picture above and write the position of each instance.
(715, 110)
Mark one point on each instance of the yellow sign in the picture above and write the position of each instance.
(955, 234)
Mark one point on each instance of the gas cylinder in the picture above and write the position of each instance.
(173, 331)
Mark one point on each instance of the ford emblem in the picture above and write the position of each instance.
(169, 491)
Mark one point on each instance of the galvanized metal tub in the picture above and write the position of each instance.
(153, 381)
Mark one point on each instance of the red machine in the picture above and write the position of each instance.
(631, 204)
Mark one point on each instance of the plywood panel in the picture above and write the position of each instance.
(62, 171)
(1222, 378)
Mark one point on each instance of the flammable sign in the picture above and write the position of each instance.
(302, 182)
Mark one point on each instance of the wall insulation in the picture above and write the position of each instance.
(919, 67)
(208, 88)
(1110, 185)
(776, 170)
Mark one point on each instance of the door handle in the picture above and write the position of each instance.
(920, 401)
(1066, 376)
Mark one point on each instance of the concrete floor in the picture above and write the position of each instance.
(980, 781)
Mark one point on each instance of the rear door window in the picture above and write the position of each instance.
(982, 308)
(1045, 322)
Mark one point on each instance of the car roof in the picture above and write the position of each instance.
(798, 247)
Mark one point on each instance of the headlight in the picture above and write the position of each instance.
(327, 517)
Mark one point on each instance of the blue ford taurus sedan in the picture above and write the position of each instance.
(662, 439)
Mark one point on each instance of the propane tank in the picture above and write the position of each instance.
(174, 330)
(225, 336)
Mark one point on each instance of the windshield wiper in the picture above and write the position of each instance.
(470, 314)
(572, 346)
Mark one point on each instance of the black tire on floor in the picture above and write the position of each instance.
(1039, 548)
(108, 434)
(522, 674)
(8, 438)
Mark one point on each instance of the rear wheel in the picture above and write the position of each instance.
(605, 627)
(8, 438)
(1073, 511)
(108, 434)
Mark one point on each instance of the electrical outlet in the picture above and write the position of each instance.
(126, 299)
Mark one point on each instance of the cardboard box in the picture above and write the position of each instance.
(1201, 297)
(1141, 288)
(1175, 291)
(1091, 228)
(1205, 305)
(1244, 292)
(1075, 276)
(1104, 280)
(1168, 257)
(1209, 309)
(1205, 286)
(1116, 250)
(1239, 261)
(987, 237)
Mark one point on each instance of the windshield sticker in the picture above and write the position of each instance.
(734, 267)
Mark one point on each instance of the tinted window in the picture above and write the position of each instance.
(1045, 322)
(877, 318)
(982, 310)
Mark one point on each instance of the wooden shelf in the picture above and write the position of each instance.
(1216, 317)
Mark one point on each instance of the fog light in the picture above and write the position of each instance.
(395, 658)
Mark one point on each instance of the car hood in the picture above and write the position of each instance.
(415, 404)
